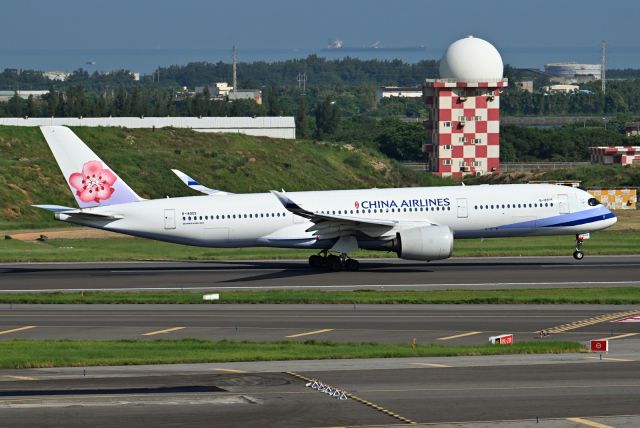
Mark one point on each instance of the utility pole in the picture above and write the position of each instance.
(234, 57)
(302, 82)
(603, 73)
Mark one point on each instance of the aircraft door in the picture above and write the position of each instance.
(563, 204)
(170, 219)
(462, 208)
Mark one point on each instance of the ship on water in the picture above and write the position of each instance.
(337, 45)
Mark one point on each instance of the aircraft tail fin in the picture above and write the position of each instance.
(91, 180)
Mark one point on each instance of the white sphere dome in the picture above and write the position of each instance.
(471, 59)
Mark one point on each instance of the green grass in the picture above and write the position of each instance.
(614, 295)
(84, 353)
(606, 242)
(144, 158)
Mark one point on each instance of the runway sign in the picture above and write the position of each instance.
(503, 339)
(601, 345)
(630, 319)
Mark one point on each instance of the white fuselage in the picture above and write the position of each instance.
(243, 220)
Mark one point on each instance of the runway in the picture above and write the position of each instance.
(505, 391)
(456, 273)
(554, 394)
(455, 324)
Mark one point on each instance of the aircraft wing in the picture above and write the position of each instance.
(331, 225)
(193, 184)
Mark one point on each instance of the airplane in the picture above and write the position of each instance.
(417, 223)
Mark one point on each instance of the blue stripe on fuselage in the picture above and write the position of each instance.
(573, 219)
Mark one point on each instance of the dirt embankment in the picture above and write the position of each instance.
(75, 233)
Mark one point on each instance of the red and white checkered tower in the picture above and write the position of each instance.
(465, 110)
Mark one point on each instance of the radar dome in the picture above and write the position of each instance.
(471, 59)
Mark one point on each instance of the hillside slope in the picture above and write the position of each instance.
(143, 158)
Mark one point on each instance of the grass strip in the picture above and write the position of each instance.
(113, 249)
(612, 296)
(83, 353)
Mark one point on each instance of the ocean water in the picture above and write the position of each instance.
(146, 61)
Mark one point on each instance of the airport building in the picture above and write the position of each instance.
(398, 91)
(274, 127)
(464, 105)
(615, 155)
(572, 70)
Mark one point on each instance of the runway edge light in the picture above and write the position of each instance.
(600, 345)
(215, 296)
(503, 339)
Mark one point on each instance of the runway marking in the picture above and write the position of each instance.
(231, 370)
(506, 388)
(169, 330)
(589, 423)
(620, 360)
(620, 336)
(471, 333)
(324, 330)
(362, 401)
(22, 377)
(13, 330)
(430, 365)
(589, 321)
(320, 287)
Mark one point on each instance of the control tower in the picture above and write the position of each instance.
(464, 106)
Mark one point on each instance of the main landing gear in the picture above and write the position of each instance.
(578, 254)
(333, 262)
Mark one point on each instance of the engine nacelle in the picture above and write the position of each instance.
(425, 243)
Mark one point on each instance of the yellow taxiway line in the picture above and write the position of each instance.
(589, 423)
(168, 330)
(621, 336)
(22, 377)
(13, 330)
(430, 365)
(324, 330)
(471, 333)
(231, 370)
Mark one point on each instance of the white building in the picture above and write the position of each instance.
(398, 91)
(274, 127)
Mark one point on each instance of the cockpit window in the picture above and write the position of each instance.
(593, 202)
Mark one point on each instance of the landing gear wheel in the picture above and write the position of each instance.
(316, 261)
(334, 263)
(352, 265)
(578, 254)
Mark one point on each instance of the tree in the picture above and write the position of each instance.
(400, 140)
(302, 124)
(327, 116)
(52, 101)
(272, 103)
(32, 106)
(15, 105)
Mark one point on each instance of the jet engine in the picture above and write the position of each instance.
(425, 243)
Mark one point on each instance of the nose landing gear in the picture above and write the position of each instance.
(578, 254)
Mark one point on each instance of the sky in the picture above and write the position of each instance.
(287, 24)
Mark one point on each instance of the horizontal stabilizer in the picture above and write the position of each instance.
(54, 208)
(193, 184)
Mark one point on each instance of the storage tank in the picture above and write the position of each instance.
(573, 69)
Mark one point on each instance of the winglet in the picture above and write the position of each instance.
(193, 184)
(287, 202)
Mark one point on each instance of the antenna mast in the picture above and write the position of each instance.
(603, 73)
(234, 56)
(302, 82)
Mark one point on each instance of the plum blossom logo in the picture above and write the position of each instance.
(357, 204)
(94, 183)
